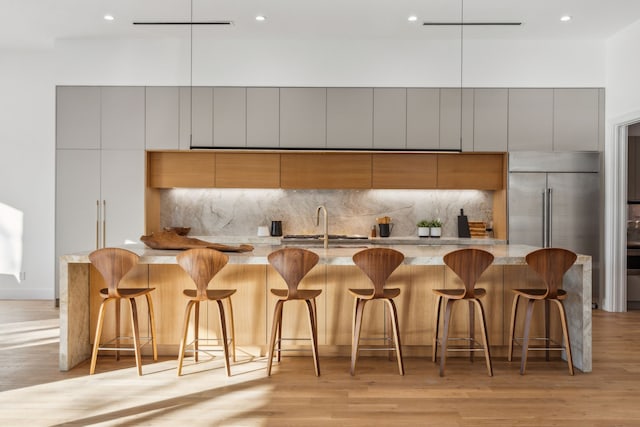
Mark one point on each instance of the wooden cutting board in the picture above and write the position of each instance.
(171, 240)
(477, 229)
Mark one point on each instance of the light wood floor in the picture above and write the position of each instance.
(34, 393)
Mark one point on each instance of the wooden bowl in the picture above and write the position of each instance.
(180, 231)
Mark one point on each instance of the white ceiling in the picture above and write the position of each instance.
(37, 22)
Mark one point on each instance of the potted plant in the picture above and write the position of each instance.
(423, 228)
(435, 228)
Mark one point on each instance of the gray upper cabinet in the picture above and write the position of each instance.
(162, 118)
(123, 111)
(390, 118)
(423, 118)
(576, 119)
(490, 120)
(349, 118)
(263, 117)
(185, 118)
(530, 119)
(229, 117)
(452, 118)
(202, 117)
(303, 117)
(78, 117)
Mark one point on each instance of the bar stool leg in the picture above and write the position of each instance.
(314, 336)
(445, 334)
(436, 328)
(136, 334)
(393, 314)
(357, 326)
(153, 326)
(185, 331)
(196, 330)
(96, 342)
(547, 334)
(485, 337)
(117, 327)
(472, 341)
(512, 327)
(525, 339)
(277, 318)
(233, 330)
(565, 332)
(223, 330)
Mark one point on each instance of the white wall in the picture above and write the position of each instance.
(623, 73)
(28, 79)
(27, 164)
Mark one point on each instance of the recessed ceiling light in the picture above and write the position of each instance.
(565, 18)
(108, 17)
(260, 18)
(412, 18)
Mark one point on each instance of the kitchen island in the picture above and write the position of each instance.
(249, 272)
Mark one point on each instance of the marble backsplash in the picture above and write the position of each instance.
(239, 212)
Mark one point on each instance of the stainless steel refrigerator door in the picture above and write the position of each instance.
(526, 216)
(575, 222)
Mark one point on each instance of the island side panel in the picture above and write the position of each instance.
(74, 314)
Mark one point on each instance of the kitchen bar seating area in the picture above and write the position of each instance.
(294, 271)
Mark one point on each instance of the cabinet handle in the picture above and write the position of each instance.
(104, 223)
(97, 224)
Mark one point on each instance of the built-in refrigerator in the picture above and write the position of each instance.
(554, 201)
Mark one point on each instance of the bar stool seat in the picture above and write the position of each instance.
(293, 264)
(468, 264)
(550, 264)
(113, 264)
(202, 265)
(377, 264)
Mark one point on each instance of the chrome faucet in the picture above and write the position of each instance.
(325, 224)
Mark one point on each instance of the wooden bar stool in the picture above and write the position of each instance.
(468, 264)
(377, 264)
(113, 264)
(202, 265)
(293, 264)
(551, 264)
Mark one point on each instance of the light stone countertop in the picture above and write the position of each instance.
(339, 254)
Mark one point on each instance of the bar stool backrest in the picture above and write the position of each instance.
(202, 264)
(378, 264)
(113, 264)
(293, 264)
(551, 264)
(468, 264)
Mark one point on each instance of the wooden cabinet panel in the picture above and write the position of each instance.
(471, 171)
(303, 117)
(423, 118)
(175, 169)
(229, 117)
(77, 117)
(576, 115)
(490, 120)
(530, 119)
(248, 170)
(390, 118)
(162, 118)
(349, 118)
(123, 110)
(263, 117)
(325, 170)
(411, 171)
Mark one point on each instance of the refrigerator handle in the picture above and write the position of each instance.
(544, 218)
(97, 224)
(549, 218)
